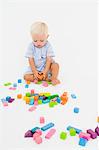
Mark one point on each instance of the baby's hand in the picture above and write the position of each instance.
(40, 76)
(36, 74)
(44, 74)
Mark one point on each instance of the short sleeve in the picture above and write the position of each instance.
(50, 51)
(30, 51)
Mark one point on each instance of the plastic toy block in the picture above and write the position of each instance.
(35, 102)
(42, 120)
(72, 132)
(7, 84)
(58, 100)
(51, 104)
(35, 135)
(97, 130)
(84, 135)
(46, 127)
(82, 142)
(5, 103)
(55, 103)
(45, 84)
(38, 140)
(73, 96)
(14, 84)
(39, 82)
(65, 94)
(27, 100)
(32, 91)
(35, 81)
(8, 98)
(76, 110)
(32, 108)
(26, 86)
(19, 80)
(44, 97)
(28, 94)
(39, 101)
(45, 101)
(39, 131)
(98, 119)
(12, 88)
(31, 101)
(28, 134)
(49, 82)
(3, 100)
(77, 130)
(36, 97)
(34, 129)
(92, 133)
(50, 134)
(19, 96)
(53, 96)
(28, 82)
(63, 102)
(11, 100)
(46, 94)
(63, 135)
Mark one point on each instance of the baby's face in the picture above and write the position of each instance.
(39, 40)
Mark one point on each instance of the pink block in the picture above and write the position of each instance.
(35, 135)
(35, 81)
(32, 108)
(12, 88)
(32, 91)
(35, 102)
(42, 120)
(45, 84)
(84, 135)
(39, 132)
(38, 140)
(5, 103)
(50, 134)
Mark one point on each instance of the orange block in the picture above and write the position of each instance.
(36, 98)
(19, 96)
(28, 82)
(27, 100)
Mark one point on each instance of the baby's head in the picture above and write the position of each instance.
(39, 33)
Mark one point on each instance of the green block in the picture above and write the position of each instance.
(28, 94)
(63, 135)
(49, 82)
(53, 96)
(7, 84)
(55, 103)
(39, 82)
(51, 104)
(39, 101)
(72, 132)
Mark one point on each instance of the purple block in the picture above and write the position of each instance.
(28, 134)
(92, 133)
(11, 100)
(97, 130)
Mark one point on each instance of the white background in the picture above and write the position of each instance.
(73, 34)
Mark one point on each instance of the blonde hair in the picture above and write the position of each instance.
(39, 28)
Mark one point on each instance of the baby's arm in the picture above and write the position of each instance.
(32, 65)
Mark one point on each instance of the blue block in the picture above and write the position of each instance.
(34, 129)
(76, 110)
(14, 84)
(19, 80)
(31, 101)
(58, 100)
(41, 97)
(73, 96)
(3, 100)
(26, 86)
(8, 98)
(82, 142)
(47, 126)
(77, 130)
(45, 101)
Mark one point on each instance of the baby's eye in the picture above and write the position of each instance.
(42, 40)
(35, 40)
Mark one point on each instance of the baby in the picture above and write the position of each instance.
(40, 56)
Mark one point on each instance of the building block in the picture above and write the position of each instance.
(50, 134)
(72, 132)
(76, 110)
(31, 101)
(14, 84)
(5, 103)
(35, 81)
(82, 142)
(58, 100)
(73, 96)
(32, 108)
(46, 127)
(8, 98)
(84, 135)
(42, 120)
(19, 80)
(35, 129)
(28, 82)
(27, 100)
(38, 140)
(28, 94)
(92, 133)
(32, 91)
(19, 96)
(11, 100)
(26, 86)
(51, 104)
(97, 130)
(45, 101)
(39, 131)
(39, 101)
(7, 84)
(12, 88)
(45, 84)
(28, 134)
(63, 135)
(35, 135)
(77, 130)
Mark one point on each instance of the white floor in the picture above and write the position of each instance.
(15, 119)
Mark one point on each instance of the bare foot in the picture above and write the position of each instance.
(55, 81)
